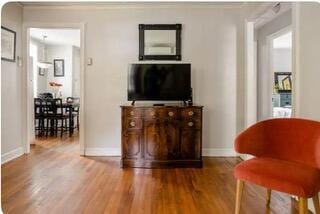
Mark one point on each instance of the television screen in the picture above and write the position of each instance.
(159, 82)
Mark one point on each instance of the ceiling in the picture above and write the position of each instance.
(131, 4)
(274, 11)
(57, 36)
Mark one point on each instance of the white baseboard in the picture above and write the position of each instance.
(219, 153)
(111, 151)
(11, 155)
(116, 151)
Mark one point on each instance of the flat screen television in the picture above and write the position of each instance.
(159, 82)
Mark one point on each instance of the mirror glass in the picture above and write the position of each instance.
(160, 42)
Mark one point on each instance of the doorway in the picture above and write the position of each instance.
(271, 41)
(280, 46)
(55, 70)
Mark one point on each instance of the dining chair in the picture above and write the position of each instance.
(60, 116)
(286, 159)
(46, 95)
(75, 110)
(48, 114)
(38, 116)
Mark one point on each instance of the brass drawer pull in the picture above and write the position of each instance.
(133, 124)
(190, 124)
(132, 113)
(170, 113)
(190, 113)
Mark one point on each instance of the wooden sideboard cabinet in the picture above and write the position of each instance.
(161, 136)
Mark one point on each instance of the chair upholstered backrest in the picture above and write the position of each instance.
(295, 140)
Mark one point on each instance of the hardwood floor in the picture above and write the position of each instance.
(53, 178)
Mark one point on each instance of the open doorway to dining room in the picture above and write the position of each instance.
(54, 65)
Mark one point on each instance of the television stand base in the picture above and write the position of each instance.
(133, 102)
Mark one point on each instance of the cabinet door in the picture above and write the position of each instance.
(132, 144)
(161, 140)
(190, 144)
(170, 137)
(152, 139)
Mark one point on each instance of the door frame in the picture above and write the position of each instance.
(27, 101)
(250, 65)
(270, 38)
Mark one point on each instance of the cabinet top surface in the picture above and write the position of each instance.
(165, 106)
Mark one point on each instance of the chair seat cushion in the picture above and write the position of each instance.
(284, 176)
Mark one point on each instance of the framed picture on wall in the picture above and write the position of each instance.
(58, 67)
(41, 71)
(8, 44)
(283, 81)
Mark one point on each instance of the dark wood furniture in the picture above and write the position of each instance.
(69, 109)
(49, 112)
(161, 136)
(75, 110)
(45, 96)
(39, 116)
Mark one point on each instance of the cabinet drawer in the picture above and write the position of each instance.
(154, 112)
(191, 113)
(132, 112)
(191, 124)
(133, 123)
(171, 113)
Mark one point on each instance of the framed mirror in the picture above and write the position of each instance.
(160, 42)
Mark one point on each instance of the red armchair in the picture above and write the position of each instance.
(287, 159)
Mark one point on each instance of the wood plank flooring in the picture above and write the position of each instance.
(53, 178)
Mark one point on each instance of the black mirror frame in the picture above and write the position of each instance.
(176, 27)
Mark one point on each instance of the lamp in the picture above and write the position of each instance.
(44, 63)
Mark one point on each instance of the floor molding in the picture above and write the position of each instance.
(116, 151)
(111, 151)
(6, 157)
(219, 153)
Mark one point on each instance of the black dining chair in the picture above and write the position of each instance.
(75, 110)
(39, 116)
(45, 95)
(48, 113)
(60, 115)
(56, 117)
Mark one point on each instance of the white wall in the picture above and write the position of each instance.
(71, 82)
(41, 80)
(282, 60)
(75, 71)
(60, 52)
(209, 41)
(11, 89)
(264, 81)
(307, 63)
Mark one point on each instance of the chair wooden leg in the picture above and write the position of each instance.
(316, 203)
(238, 195)
(78, 122)
(62, 127)
(47, 127)
(303, 205)
(268, 196)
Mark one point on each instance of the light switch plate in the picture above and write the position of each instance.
(89, 62)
